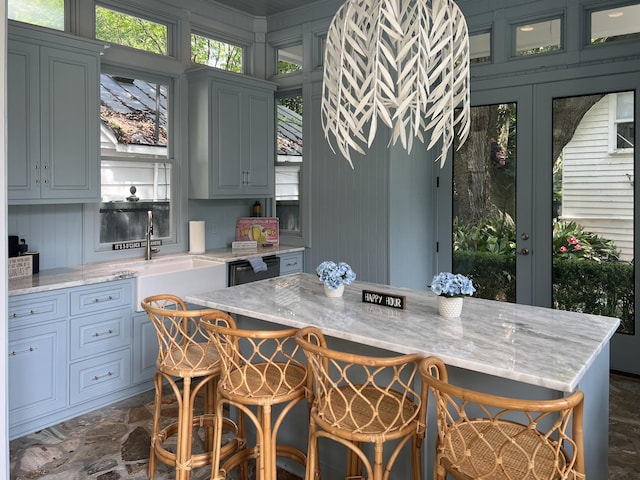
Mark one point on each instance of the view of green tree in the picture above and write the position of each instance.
(287, 67)
(214, 53)
(46, 13)
(129, 31)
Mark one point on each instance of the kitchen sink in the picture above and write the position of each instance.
(180, 275)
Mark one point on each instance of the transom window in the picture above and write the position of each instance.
(131, 31)
(480, 48)
(289, 59)
(539, 37)
(45, 13)
(614, 24)
(216, 53)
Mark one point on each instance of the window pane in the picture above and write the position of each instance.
(214, 53)
(615, 24)
(484, 202)
(624, 106)
(135, 169)
(593, 217)
(289, 161)
(46, 13)
(289, 59)
(480, 48)
(539, 37)
(134, 116)
(129, 31)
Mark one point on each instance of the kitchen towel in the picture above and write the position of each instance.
(196, 236)
(257, 264)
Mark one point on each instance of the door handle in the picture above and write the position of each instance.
(524, 251)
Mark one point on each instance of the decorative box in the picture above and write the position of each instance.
(264, 230)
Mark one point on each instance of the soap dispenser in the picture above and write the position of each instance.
(256, 209)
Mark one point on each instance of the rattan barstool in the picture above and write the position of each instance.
(184, 355)
(259, 371)
(358, 400)
(488, 437)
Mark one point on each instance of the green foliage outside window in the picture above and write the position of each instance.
(214, 53)
(129, 31)
(45, 13)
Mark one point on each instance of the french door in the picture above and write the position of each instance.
(541, 208)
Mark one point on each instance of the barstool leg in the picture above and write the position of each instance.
(157, 407)
(185, 429)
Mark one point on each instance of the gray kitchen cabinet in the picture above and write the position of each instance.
(145, 348)
(37, 348)
(231, 136)
(70, 351)
(52, 117)
(291, 262)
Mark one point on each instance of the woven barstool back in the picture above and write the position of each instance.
(184, 354)
(360, 399)
(488, 437)
(260, 369)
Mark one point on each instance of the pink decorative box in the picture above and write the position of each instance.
(263, 230)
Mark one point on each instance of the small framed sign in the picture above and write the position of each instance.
(384, 299)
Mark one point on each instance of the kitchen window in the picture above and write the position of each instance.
(137, 165)
(289, 161)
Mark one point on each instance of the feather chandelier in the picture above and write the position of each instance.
(402, 62)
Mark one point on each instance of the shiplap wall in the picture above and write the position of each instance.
(598, 185)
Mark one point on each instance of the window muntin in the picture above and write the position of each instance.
(539, 37)
(136, 167)
(480, 48)
(289, 59)
(614, 24)
(45, 13)
(131, 31)
(216, 53)
(289, 161)
(622, 125)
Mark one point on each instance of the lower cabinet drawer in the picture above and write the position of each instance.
(291, 263)
(99, 333)
(98, 376)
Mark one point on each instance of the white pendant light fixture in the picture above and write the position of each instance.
(402, 62)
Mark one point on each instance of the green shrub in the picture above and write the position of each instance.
(493, 274)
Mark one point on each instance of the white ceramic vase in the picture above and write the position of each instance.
(450, 307)
(334, 293)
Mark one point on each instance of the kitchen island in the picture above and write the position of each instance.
(498, 347)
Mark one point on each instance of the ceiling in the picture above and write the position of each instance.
(264, 8)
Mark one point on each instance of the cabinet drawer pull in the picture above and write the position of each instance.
(16, 315)
(96, 378)
(292, 264)
(98, 300)
(28, 350)
(99, 334)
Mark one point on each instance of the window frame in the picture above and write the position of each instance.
(614, 120)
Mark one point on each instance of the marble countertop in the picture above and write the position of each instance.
(88, 274)
(535, 345)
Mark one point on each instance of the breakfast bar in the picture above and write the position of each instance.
(509, 349)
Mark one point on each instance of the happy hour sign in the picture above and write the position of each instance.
(384, 299)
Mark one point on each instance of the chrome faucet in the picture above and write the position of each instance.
(150, 250)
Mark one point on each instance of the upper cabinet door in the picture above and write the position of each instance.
(69, 123)
(23, 113)
(53, 118)
(231, 136)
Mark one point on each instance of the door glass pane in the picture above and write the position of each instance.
(289, 161)
(484, 174)
(593, 213)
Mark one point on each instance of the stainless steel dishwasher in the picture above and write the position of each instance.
(242, 271)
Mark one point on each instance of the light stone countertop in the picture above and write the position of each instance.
(88, 274)
(535, 345)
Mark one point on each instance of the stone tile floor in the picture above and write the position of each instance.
(113, 443)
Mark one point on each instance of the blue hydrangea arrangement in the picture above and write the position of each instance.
(450, 285)
(335, 274)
